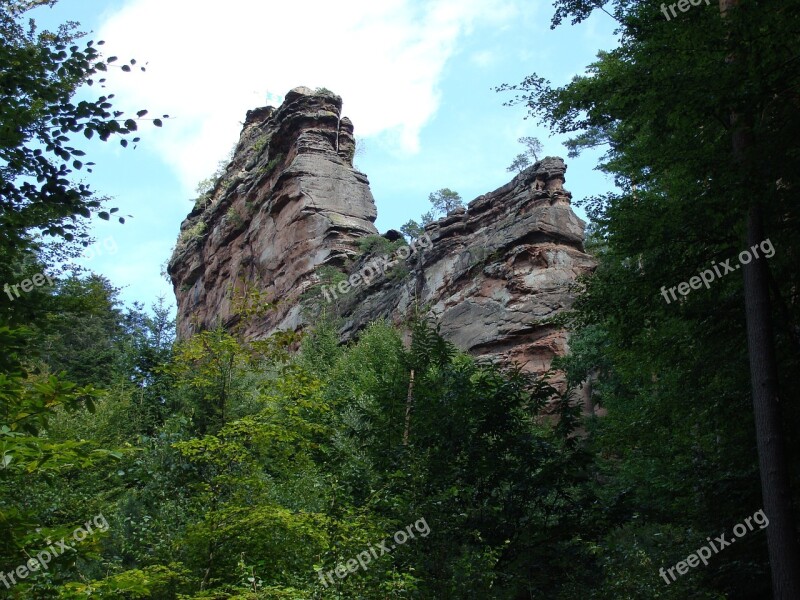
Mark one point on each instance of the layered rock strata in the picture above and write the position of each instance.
(494, 273)
(289, 201)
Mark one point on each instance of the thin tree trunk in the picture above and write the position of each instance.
(784, 555)
(409, 404)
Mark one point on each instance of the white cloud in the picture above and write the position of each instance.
(210, 62)
(484, 58)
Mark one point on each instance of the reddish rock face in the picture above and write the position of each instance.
(493, 274)
(289, 202)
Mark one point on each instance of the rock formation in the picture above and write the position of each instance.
(290, 210)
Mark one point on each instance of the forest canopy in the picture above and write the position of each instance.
(135, 465)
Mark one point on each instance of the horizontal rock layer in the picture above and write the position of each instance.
(289, 201)
(493, 273)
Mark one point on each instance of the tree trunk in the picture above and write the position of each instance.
(784, 556)
(409, 404)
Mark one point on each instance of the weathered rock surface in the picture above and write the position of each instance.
(289, 201)
(494, 273)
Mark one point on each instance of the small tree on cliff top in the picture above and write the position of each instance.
(445, 201)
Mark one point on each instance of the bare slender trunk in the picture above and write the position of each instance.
(409, 404)
(784, 555)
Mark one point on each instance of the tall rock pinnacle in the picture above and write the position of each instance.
(288, 202)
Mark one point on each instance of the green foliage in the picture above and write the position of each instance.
(250, 301)
(150, 582)
(533, 147)
(412, 230)
(82, 331)
(262, 470)
(272, 164)
(209, 369)
(234, 217)
(661, 104)
(445, 201)
(30, 459)
(520, 163)
(428, 218)
(206, 186)
(327, 276)
(330, 275)
(41, 73)
(632, 555)
(194, 233)
(399, 272)
(461, 415)
(260, 144)
(202, 201)
(234, 469)
(377, 244)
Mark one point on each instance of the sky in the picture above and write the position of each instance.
(417, 78)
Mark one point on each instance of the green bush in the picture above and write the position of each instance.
(202, 201)
(327, 276)
(193, 233)
(377, 244)
(234, 217)
(273, 163)
(259, 144)
(399, 272)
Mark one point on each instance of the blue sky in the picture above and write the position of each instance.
(417, 80)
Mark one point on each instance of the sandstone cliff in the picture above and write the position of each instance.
(290, 211)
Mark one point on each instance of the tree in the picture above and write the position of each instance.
(445, 201)
(688, 148)
(428, 218)
(533, 146)
(40, 74)
(205, 186)
(523, 160)
(412, 229)
(469, 453)
(43, 214)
